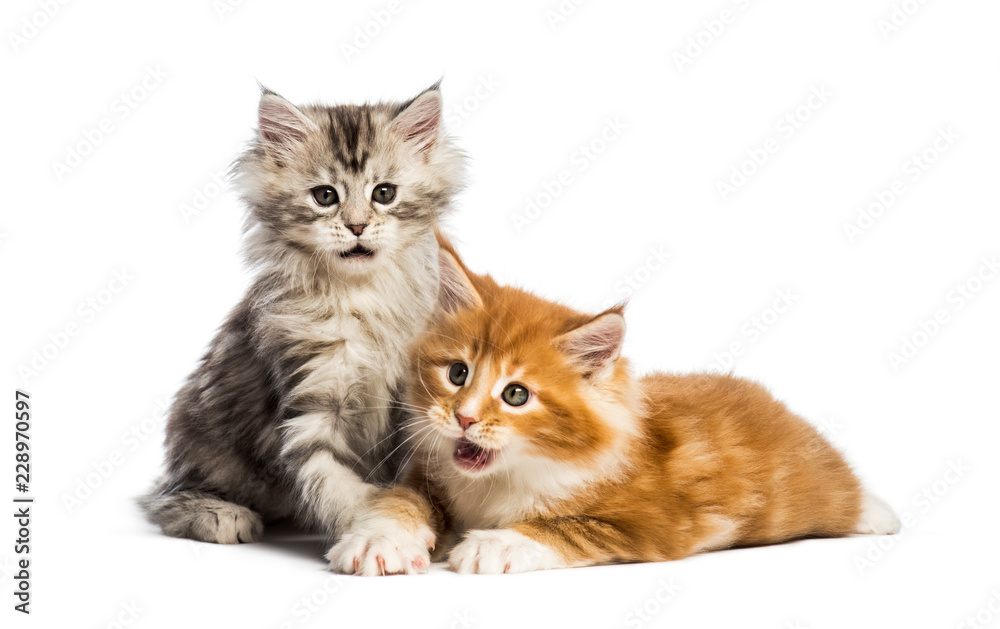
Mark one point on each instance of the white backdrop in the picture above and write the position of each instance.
(803, 192)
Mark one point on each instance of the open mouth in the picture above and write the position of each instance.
(357, 252)
(471, 457)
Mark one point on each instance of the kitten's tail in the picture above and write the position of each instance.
(877, 517)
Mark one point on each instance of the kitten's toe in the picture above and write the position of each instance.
(345, 556)
(388, 556)
(382, 548)
(501, 551)
(227, 524)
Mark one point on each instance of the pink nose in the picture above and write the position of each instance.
(464, 421)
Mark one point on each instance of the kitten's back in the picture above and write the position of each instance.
(728, 441)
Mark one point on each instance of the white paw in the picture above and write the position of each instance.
(380, 546)
(877, 517)
(501, 551)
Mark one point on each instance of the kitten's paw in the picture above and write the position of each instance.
(225, 523)
(381, 546)
(877, 517)
(501, 551)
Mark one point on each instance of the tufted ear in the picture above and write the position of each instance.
(595, 345)
(456, 291)
(282, 126)
(419, 122)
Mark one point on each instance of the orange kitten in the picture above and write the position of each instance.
(539, 449)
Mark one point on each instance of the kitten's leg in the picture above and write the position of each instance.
(877, 517)
(203, 517)
(331, 493)
(336, 500)
(393, 535)
(541, 544)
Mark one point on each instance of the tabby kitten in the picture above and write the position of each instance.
(290, 412)
(537, 445)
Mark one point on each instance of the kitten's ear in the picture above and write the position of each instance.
(282, 126)
(456, 290)
(419, 121)
(595, 345)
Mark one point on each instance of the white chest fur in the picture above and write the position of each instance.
(352, 351)
(531, 489)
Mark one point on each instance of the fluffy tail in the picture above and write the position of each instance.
(877, 517)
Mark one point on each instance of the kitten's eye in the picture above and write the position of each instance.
(515, 395)
(384, 193)
(457, 373)
(325, 195)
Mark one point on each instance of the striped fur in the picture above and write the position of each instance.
(293, 412)
(596, 466)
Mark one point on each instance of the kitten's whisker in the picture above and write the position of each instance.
(506, 468)
(391, 434)
(413, 452)
(386, 458)
(393, 403)
(420, 376)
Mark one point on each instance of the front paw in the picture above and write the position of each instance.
(501, 551)
(381, 546)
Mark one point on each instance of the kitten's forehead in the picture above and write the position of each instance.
(357, 137)
(489, 342)
(510, 327)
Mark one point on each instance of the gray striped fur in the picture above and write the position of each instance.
(293, 411)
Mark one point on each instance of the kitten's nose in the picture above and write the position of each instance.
(464, 421)
(357, 229)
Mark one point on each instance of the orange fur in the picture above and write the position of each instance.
(598, 466)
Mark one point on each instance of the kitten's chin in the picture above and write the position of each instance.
(471, 458)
